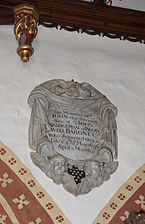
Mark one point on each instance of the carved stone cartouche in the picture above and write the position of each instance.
(135, 218)
(73, 134)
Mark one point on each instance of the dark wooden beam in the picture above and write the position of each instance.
(92, 18)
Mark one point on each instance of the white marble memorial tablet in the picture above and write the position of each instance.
(73, 132)
(75, 136)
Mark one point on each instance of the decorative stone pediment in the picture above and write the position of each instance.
(73, 134)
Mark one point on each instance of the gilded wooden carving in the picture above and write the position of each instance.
(25, 29)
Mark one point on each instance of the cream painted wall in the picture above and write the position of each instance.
(114, 67)
(132, 4)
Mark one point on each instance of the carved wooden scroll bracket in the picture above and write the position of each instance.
(25, 29)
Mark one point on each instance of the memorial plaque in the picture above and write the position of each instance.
(73, 134)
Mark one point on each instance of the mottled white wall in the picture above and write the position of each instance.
(114, 67)
(132, 4)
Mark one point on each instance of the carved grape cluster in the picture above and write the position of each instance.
(76, 173)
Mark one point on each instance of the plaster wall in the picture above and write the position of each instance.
(132, 4)
(115, 68)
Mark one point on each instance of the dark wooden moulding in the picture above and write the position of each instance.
(85, 17)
